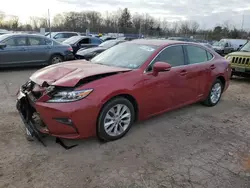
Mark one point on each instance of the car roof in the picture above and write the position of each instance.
(23, 34)
(158, 42)
(63, 32)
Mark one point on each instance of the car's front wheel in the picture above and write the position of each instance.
(215, 93)
(115, 119)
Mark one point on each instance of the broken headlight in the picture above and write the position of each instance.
(69, 96)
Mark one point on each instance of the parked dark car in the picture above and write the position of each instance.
(30, 49)
(78, 42)
(92, 52)
(129, 82)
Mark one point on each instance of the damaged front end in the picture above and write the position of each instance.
(27, 96)
(25, 105)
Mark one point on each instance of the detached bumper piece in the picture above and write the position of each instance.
(27, 113)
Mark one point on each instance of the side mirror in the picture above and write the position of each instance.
(2, 45)
(160, 67)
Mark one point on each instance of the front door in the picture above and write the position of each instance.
(15, 51)
(169, 89)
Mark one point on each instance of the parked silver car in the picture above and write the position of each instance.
(30, 49)
(61, 36)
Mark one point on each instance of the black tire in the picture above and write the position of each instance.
(54, 59)
(101, 133)
(208, 101)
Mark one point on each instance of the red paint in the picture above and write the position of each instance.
(154, 93)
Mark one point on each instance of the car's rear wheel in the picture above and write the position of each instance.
(115, 119)
(214, 94)
(56, 59)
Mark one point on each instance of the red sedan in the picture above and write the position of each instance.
(128, 82)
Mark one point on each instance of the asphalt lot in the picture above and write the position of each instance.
(193, 147)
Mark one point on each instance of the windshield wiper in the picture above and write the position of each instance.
(245, 51)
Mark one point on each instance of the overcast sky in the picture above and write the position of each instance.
(207, 12)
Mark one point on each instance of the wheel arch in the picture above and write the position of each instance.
(223, 81)
(127, 96)
(56, 54)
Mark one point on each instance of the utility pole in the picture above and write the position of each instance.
(242, 25)
(49, 23)
(140, 30)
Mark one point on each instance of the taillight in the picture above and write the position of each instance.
(70, 49)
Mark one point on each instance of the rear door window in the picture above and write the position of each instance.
(36, 41)
(197, 55)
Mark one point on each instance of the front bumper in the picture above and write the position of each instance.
(240, 71)
(69, 56)
(63, 120)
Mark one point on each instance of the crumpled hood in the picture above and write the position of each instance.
(239, 53)
(68, 74)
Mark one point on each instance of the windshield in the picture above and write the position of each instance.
(127, 55)
(72, 40)
(108, 44)
(246, 47)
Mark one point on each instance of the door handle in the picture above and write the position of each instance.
(183, 73)
(22, 49)
(212, 67)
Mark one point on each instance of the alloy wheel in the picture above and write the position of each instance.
(215, 93)
(117, 120)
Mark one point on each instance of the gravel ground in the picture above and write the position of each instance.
(194, 147)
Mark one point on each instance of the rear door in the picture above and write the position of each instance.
(199, 69)
(15, 52)
(38, 50)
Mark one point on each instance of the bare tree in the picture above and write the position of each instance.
(194, 26)
(184, 28)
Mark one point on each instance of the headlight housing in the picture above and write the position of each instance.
(69, 96)
(229, 58)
